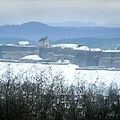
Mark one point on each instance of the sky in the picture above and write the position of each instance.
(101, 12)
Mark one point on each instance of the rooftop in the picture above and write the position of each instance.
(43, 39)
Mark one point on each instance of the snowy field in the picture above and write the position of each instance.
(69, 72)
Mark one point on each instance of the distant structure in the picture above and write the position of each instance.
(60, 53)
(44, 43)
(110, 58)
(23, 43)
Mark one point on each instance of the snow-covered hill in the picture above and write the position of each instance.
(76, 47)
(69, 72)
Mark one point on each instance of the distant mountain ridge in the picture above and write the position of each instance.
(84, 24)
(36, 30)
(74, 24)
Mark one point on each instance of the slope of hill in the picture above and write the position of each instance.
(68, 72)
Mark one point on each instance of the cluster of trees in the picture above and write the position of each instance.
(39, 100)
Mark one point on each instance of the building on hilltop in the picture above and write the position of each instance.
(44, 42)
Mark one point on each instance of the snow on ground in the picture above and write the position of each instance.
(95, 49)
(76, 47)
(111, 50)
(99, 76)
(32, 57)
(68, 71)
(72, 46)
(23, 42)
(30, 69)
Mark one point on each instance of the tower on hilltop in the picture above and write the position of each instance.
(44, 42)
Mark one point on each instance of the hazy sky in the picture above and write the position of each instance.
(96, 11)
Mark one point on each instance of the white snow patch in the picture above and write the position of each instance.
(69, 72)
(23, 42)
(95, 49)
(31, 57)
(97, 76)
(10, 44)
(76, 47)
(111, 50)
(72, 46)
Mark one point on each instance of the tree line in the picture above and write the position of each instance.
(26, 100)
